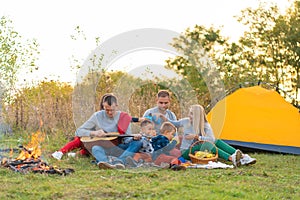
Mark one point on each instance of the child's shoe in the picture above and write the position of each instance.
(131, 162)
(178, 167)
(165, 165)
(118, 164)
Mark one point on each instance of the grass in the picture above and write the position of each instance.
(274, 176)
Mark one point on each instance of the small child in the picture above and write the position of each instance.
(166, 141)
(147, 132)
(164, 146)
(161, 146)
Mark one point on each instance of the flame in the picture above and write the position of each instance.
(33, 148)
(29, 158)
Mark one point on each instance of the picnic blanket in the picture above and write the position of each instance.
(210, 165)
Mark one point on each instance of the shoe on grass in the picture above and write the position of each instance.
(236, 158)
(178, 167)
(131, 162)
(57, 155)
(247, 160)
(105, 165)
(118, 164)
(165, 165)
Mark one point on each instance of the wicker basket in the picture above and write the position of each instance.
(197, 160)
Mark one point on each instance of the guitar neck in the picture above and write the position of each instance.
(119, 135)
(116, 134)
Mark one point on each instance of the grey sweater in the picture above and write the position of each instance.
(100, 120)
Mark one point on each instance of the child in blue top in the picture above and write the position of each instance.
(166, 141)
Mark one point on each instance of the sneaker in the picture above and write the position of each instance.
(118, 164)
(131, 162)
(236, 158)
(141, 161)
(165, 165)
(57, 155)
(178, 167)
(247, 160)
(71, 154)
(105, 165)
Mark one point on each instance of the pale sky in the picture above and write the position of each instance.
(52, 23)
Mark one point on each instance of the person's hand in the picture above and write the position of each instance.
(159, 115)
(197, 137)
(137, 136)
(142, 119)
(98, 133)
(191, 136)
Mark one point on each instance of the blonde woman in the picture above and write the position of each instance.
(196, 127)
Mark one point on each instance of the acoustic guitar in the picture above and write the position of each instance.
(109, 140)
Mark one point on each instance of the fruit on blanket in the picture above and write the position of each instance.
(204, 154)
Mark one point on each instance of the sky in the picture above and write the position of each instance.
(53, 22)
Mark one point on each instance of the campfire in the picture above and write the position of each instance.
(29, 159)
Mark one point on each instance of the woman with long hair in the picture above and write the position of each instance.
(196, 127)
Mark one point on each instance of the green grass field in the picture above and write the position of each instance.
(274, 176)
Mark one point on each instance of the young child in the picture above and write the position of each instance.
(166, 141)
(147, 132)
(157, 148)
(164, 146)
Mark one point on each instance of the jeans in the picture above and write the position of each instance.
(129, 150)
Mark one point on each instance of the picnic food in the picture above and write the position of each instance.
(204, 154)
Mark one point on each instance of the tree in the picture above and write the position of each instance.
(291, 24)
(268, 51)
(15, 55)
(271, 45)
(198, 47)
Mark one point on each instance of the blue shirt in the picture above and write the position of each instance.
(158, 122)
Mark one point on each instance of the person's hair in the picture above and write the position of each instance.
(110, 99)
(199, 118)
(146, 122)
(167, 126)
(102, 100)
(163, 93)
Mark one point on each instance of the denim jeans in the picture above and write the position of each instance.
(100, 153)
(130, 149)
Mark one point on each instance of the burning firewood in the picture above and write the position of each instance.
(29, 159)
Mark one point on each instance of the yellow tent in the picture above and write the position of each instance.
(257, 118)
